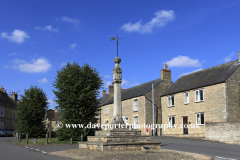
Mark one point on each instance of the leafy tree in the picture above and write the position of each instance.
(76, 95)
(30, 112)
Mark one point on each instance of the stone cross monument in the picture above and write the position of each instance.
(117, 80)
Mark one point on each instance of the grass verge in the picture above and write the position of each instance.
(42, 141)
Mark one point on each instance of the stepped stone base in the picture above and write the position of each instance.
(119, 140)
(120, 146)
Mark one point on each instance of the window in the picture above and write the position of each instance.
(2, 111)
(198, 95)
(135, 108)
(171, 121)
(106, 110)
(170, 101)
(200, 118)
(1, 124)
(186, 98)
(106, 122)
(135, 122)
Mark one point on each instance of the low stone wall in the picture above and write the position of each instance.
(226, 132)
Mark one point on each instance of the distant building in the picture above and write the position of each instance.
(137, 103)
(54, 121)
(7, 109)
(209, 95)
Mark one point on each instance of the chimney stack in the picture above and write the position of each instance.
(2, 89)
(238, 55)
(103, 93)
(14, 96)
(165, 73)
(111, 90)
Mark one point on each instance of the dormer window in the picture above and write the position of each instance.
(170, 101)
(199, 95)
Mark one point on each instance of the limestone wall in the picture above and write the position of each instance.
(213, 106)
(232, 92)
(227, 132)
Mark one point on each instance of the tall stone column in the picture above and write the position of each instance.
(117, 80)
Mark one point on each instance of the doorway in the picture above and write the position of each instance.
(185, 125)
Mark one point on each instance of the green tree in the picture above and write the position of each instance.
(30, 112)
(76, 95)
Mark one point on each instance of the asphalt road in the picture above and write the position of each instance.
(10, 151)
(213, 149)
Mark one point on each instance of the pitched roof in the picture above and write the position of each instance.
(5, 99)
(136, 91)
(102, 99)
(206, 77)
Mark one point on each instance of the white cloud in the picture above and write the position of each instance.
(47, 28)
(125, 82)
(107, 76)
(14, 54)
(161, 19)
(229, 58)
(63, 64)
(75, 21)
(17, 36)
(6, 66)
(134, 84)
(51, 102)
(190, 72)
(44, 80)
(72, 46)
(108, 83)
(41, 65)
(183, 61)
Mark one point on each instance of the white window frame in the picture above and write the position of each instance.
(170, 100)
(2, 112)
(106, 110)
(170, 121)
(135, 106)
(197, 95)
(200, 118)
(135, 126)
(186, 99)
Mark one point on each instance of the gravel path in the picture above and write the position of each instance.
(162, 154)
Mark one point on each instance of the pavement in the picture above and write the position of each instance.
(214, 149)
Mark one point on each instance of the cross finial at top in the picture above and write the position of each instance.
(116, 38)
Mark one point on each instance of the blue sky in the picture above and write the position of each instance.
(37, 38)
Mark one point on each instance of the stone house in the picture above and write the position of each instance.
(206, 96)
(54, 121)
(137, 103)
(7, 109)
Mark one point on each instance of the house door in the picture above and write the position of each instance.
(185, 125)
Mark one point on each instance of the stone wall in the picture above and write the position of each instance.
(9, 117)
(127, 111)
(213, 106)
(158, 90)
(227, 132)
(232, 92)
